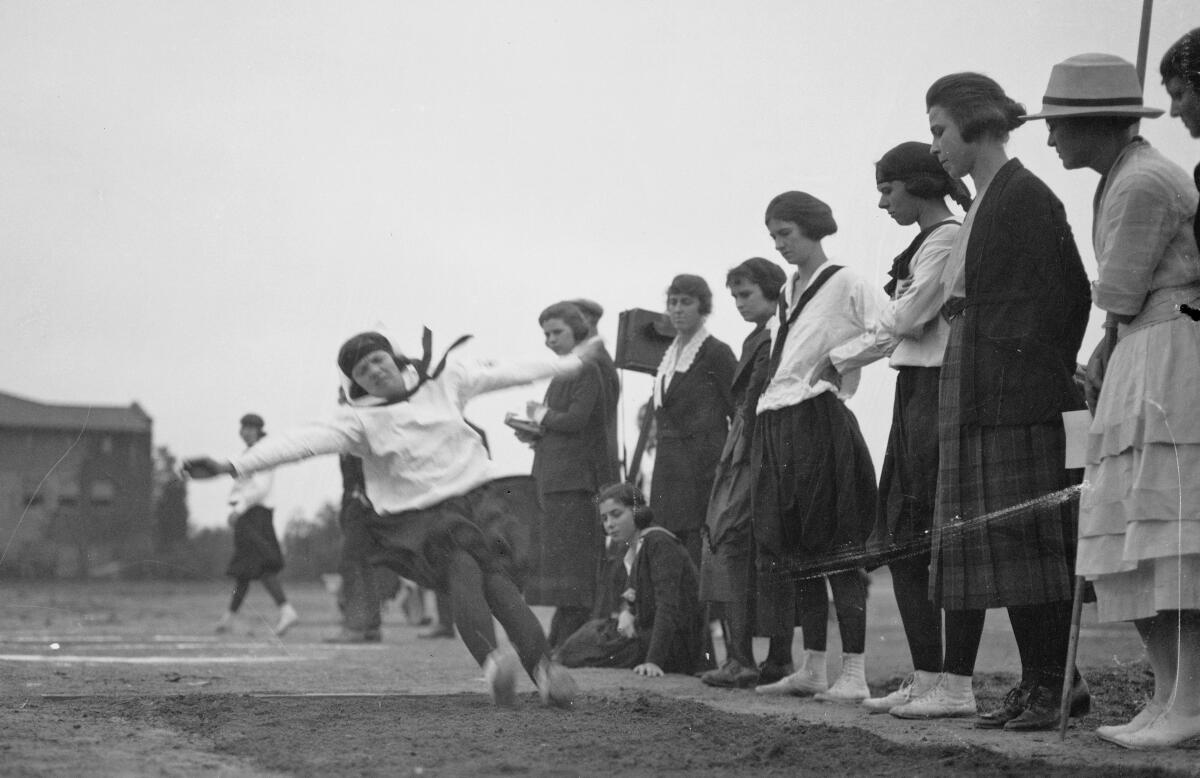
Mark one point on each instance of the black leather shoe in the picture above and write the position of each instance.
(770, 672)
(1014, 705)
(1044, 708)
(732, 675)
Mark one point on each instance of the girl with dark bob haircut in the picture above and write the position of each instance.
(977, 104)
(813, 498)
(763, 273)
(692, 408)
(692, 286)
(814, 217)
(912, 187)
(570, 315)
(1182, 60)
(1017, 300)
(655, 625)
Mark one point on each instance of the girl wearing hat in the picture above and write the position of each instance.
(692, 407)
(1139, 522)
(912, 189)
(428, 475)
(814, 497)
(1017, 302)
(256, 554)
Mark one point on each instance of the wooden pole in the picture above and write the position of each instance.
(1110, 343)
(1144, 41)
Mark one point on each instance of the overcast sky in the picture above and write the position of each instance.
(201, 200)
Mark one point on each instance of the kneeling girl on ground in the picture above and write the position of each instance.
(659, 625)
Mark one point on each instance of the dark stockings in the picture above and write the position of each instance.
(922, 619)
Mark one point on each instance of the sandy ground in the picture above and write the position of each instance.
(124, 679)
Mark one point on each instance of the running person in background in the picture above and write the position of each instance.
(428, 476)
(912, 189)
(256, 553)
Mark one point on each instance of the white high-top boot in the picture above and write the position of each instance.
(851, 685)
(810, 678)
(287, 617)
(951, 696)
(913, 687)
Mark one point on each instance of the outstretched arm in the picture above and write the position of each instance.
(338, 436)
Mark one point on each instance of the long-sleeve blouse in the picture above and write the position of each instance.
(250, 489)
(910, 329)
(415, 453)
(845, 308)
(1143, 229)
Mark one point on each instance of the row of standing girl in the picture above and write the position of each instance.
(975, 508)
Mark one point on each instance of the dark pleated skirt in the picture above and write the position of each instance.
(255, 548)
(814, 501)
(1020, 557)
(568, 543)
(908, 481)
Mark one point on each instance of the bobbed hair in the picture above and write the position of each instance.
(763, 273)
(977, 104)
(570, 315)
(1182, 60)
(692, 286)
(631, 497)
(810, 214)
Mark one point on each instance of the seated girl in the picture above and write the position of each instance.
(658, 625)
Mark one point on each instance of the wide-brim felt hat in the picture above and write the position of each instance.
(1094, 85)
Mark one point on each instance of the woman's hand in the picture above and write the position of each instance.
(528, 438)
(649, 669)
(1097, 366)
(825, 371)
(206, 467)
(625, 624)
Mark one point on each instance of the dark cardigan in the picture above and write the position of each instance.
(692, 424)
(668, 619)
(1027, 306)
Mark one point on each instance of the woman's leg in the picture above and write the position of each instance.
(850, 601)
(1186, 700)
(1174, 640)
(240, 587)
(471, 614)
(271, 584)
(964, 631)
(921, 618)
(814, 612)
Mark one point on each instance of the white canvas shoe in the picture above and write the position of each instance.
(225, 624)
(851, 685)
(811, 678)
(287, 617)
(951, 697)
(555, 685)
(913, 687)
(500, 670)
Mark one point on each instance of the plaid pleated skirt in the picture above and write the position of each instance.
(988, 553)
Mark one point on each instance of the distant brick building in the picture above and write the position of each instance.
(75, 487)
